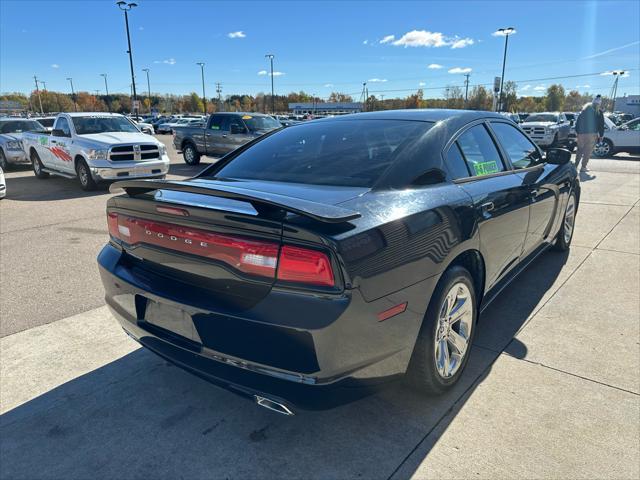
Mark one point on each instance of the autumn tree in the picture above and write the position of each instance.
(414, 100)
(480, 99)
(575, 101)
(340, 97)
(555, 98)
(454, 97)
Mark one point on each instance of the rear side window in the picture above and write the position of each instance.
(456, 163)
(520, 150)
(479, 151)
(341, 152)
(216, 122)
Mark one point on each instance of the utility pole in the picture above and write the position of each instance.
(219, 92)
(270, 57)
(146, 70)
(106, 89)
(363, 96)
(124, 6)
(466, 88)
(44, 85)
(506, 32)
(204, 97)
(73, 95)
(38, 92)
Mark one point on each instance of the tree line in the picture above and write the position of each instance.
(479, 98)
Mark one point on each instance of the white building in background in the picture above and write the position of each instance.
(628, 104)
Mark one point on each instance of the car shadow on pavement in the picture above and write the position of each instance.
(31, 189)
(140, 417)
(187, 171)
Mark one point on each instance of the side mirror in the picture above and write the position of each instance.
(558, 156)
(237, 129)
(56, 132)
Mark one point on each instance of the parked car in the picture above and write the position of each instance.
(46, 122)
(95, 147)
(11, 133)
(170, 125)
(323, 260)
(622, 138)
(3, 185)
(144, 127)
(573, 137)
(223, 133)
(547, 129)
(514, 117)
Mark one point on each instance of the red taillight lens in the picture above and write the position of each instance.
(112, 223)
(305, 266)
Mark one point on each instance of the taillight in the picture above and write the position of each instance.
(256, 257)
(305, 266)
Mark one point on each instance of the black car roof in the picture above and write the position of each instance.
(424, 115)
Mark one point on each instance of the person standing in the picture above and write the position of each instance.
(589, 130)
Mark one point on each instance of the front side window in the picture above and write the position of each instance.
(342, 153)
(63, 124)
(90, 125)
(520, 150)
(479, 151)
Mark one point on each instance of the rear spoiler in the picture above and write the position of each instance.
(316, 211)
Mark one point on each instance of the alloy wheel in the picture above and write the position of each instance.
(569, 219)
(453, 330)
(602, 149)
(188, 153)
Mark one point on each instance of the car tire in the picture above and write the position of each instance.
(565, 234)
(603, 149)
(436, 363)
(87, 183)
(36, 164)
(191, 155)
(4, 164)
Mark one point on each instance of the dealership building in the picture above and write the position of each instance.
(330, 108)
(628, 104)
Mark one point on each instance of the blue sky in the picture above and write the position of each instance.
(319, 46)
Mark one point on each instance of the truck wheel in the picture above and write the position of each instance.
(191, 155)
(37, 165)
(3, 161)
(444, 342)
(84, 176)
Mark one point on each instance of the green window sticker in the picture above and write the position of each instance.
(486, 168)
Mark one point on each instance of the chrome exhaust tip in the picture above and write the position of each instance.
(273, 405)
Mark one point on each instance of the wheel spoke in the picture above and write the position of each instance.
(458, 342)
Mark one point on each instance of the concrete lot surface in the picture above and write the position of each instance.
(552, 389)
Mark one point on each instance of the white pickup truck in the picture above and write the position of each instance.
(95, 147)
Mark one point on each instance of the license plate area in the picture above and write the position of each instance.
(172, 319)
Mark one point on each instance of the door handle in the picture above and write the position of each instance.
(53, 141)
(487, 207)
(224, 135)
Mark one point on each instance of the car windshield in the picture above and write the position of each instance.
(89, 125)
(260, 123)
(342, 153)
(570, 116)
(19, 126)
(542, 117)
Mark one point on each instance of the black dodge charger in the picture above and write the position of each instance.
(318, 262)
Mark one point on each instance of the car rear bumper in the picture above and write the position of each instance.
(335, 353)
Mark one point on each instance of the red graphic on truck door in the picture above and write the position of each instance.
(60, 153)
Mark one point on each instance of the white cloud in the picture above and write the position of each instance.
(328, 85)
(377, 80)
(425, 38)
(497, 33)
(462, 42)
(275, 74)
(55, 65)
(582, 86)
(140, 28)
(460, 70)
(365, 42)
(434, 66)
(168, 61)
(525, 88)
(421, 84)
(238, 34)
(539, 88)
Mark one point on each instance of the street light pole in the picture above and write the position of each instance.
(204, 97)
(617, 74)
(106, 89)
(270, 57)
(466, 88)
(73, 95)
(506, 32)
(124, 6)
(148, 88)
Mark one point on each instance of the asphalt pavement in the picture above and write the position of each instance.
(552, 389)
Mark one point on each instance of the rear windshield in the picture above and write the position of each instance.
(47, 122)
(342, 153)
(89, 125)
